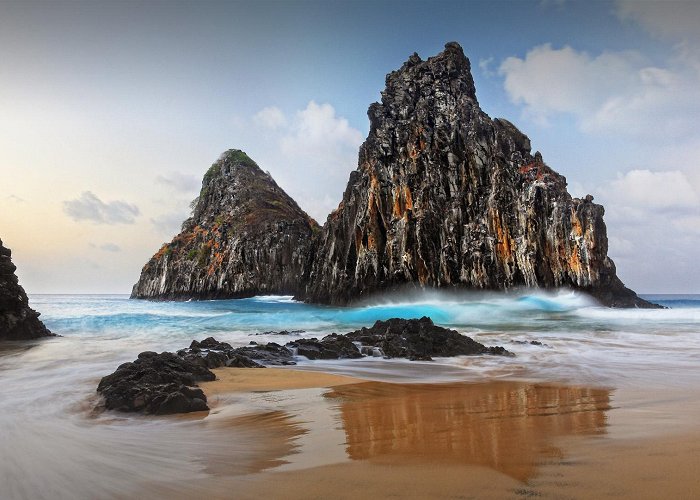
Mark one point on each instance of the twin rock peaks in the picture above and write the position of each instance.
(443, 197)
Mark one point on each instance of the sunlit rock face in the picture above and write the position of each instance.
(17, 320)
(246, 237)
(445, 196)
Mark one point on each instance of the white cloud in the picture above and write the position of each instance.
(270, 117)
(485, 66)
(688, 224)
(324, 148)
(653, 190)
(633, 111)
(90, 208)
(184, 183)
(653, 221)
(310, 154)
(613, 91)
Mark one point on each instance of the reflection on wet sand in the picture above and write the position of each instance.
(507, 426)
(277, 432)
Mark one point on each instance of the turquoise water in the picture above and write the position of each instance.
(47, 388)
(585, 343)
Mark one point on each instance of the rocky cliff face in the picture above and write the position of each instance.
(246, 237)
(17, 320)
(444, 196)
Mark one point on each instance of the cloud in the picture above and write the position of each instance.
(310, 154)
(653, 221)
(654, 190)
(107, 247)
(485, 66)
(90, 208)
(184, 183)
(323, 146)
(270, 117)
(16, 199)
(620, 92)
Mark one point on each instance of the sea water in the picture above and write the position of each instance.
(54, 447)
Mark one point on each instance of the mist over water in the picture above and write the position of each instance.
(47, 388)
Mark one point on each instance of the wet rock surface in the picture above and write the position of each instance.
(156, 384)
(165, 383)
(333, 346)
(17, 320)
(420, 340)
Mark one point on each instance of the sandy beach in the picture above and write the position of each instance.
(606, 407)
(337, 436)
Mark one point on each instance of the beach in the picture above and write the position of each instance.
(349, 438)
(605, 406)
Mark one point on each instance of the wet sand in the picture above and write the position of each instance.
(229, 380)
(336, 436)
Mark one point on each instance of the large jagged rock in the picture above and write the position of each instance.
(246, 237)
(444, 196)
(17, 320)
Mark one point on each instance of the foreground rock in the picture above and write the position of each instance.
(158, 384)
(166, 383)
(420, 340)
(245, 237)
(17, 320)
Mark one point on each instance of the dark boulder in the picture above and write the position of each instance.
(267, 354)
(419, 340)
(332, 346)
(156, 384)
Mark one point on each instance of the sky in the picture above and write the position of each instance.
(111, 112)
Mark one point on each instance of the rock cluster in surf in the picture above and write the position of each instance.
(443, 197)
(17, 320)
(165, 383)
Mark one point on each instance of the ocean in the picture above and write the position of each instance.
(54, 446)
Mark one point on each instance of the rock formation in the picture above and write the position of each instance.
(443, 197)
(167, 382)
(17, 320)
(245, 237)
